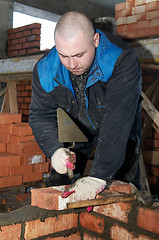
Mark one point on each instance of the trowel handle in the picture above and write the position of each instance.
(70, 173)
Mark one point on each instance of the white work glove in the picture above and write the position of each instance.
(62, 159)
(84, 188)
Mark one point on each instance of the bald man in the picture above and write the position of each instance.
(96, 78)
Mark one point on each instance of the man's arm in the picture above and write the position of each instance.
(43, 117)
(120, 105)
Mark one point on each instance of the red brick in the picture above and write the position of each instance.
(153, 31)
(41, 167)
(7, 159)
(17, 139)
(120, 6)
(34, 25)
(22, 52)
(26, 33)
(3, 147)
(142, 24)
(14, 170)
(152, 219)
(26, 45)
(7, 128)
(33, 50)
(8, 118)
(119, 211)
(141, 16)
(11, 36)
(11, 48)
(18, 35)
(121, 187)
(4, 171)
(47, 198)
(152, 14)
(35, 44)
(36, 31)
(87, 236)
(51, 225)
(10, 181)
(20, 99)
(21, 129)
(75, 236)
(140, 2)
(92, 222)
(117, 232)
(14, 41)
(22, 40)
(5, 137)
(31, 177)
(20, 29)
(151, 6)
(131, 27)
(27, 100)
(28, 87)
(10, 232)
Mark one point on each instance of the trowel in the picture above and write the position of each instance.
(68, 132)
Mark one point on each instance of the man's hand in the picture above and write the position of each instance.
(85, 188)
(62, 159)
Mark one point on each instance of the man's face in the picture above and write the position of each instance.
(76, 53)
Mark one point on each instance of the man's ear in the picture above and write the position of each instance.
(96, 39)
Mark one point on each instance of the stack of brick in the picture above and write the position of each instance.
(21, 159)
(137, 18)
(117, 221)
(24, 40)
(24, 93)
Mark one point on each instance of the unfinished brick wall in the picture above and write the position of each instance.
(137, 18)
(24, 40)
(21, 159)
(118, 221)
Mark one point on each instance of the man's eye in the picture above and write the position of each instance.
(79, 55)
(63, 56)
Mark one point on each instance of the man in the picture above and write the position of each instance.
(96, 78)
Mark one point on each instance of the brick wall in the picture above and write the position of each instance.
(137, 18)
(24, 40)
(21, 159)
(24, 93)
(118, 221)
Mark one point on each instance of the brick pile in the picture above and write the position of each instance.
(24, 40)
(21, 159)
(117, 221)
(137, 18)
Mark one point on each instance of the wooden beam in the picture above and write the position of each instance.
(12, 90)
(150, 109)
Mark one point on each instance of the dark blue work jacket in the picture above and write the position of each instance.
(112, 96)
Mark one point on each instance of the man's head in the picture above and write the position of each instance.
(76, 41)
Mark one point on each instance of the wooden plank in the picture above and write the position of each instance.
(5, 104)
(153, 67)
(151, 157)
(12, 90)
(2, 92)
(18, 76)
(150, 109)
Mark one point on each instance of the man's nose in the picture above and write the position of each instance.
(72, 63)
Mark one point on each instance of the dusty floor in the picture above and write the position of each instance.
(17, 197)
